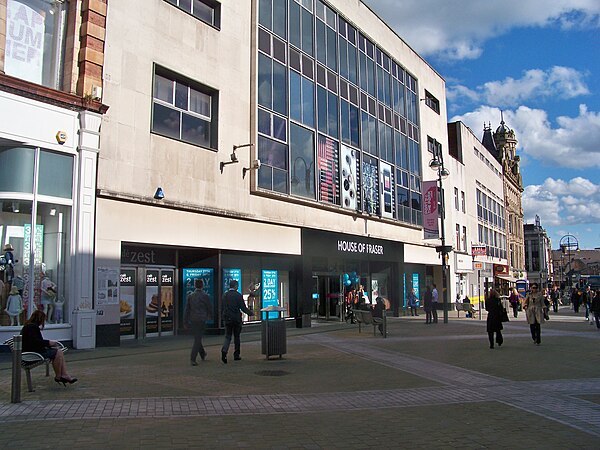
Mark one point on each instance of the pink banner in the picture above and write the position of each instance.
(430, 210)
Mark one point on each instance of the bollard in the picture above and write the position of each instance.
(15, 393)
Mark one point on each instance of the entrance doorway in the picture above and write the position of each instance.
(146, 304)
(327, 297)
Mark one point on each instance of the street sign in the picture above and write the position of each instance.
(478, 250)
(477, 265)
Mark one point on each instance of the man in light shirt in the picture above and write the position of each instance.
(434, 295)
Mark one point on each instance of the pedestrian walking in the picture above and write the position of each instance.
(554, 297)
(434, 305)
(576, 299)
(233, 306)
(198, 310)
(493, 305)
(412, 302)
(428, 305)
(513, 299)
(534, 310)
(595, 308)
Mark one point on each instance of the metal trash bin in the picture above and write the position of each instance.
(273, 333)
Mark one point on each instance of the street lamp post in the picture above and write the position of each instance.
(437, 163)
(568, 242)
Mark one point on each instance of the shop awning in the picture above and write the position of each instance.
(507, 278)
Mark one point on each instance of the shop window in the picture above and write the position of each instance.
(208, 11)
(35, 41)
(36, 227)
(184, 110)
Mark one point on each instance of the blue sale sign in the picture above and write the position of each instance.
(230, 275)
(270, 291)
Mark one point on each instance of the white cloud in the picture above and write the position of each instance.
(563, 203)
(457, 30)
(572, 144)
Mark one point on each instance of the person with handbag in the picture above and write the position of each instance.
(495, 310)
(534, 310)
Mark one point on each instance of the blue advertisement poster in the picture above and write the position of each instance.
(232, 274)
(208, 278)
(270, 292)
(404, 289)
(415, 285)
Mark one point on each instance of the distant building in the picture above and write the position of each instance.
(538, 257)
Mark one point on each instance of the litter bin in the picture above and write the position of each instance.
(273, 336)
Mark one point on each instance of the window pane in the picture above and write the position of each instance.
(308, 102)
(181, 95)
(332, 112)
(186, 5)
(272, 153)
(55, 175)
(264, 122)
(279, 128)
(265, 92)
(264, 13)
(279, 19)
(163, 89)
(195, 130)
(200, 103)
(307, 32)
(280, 182)
(295, 23)
(165, 121)
(16, 169)
(302, 156)
(203, 12)
(295, 96)
(279, 88)
(322, 109)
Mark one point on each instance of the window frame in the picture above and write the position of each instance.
(212, 4)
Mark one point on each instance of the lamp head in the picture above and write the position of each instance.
(435, 163)
(159, 194)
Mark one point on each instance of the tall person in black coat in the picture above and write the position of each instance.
(233, 306)
(198, 310)
(493, 305)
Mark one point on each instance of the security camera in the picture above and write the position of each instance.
(233, 157)
(159, 194)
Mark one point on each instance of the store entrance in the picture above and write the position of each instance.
(327, 297)
(146, 304)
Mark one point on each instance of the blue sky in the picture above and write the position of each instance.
(541, 66)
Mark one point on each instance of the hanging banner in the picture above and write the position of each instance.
(430, 210)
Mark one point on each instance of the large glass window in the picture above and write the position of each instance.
(35, 228)
(272, 15)
(326, 37)
(302, 99)
(35, 40)
(184, 110)
(301, 25)
(272, 84)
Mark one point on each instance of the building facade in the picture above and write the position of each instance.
(51, 57)
(503, 145)
(280, 143)
(477, 212)
(538, 254)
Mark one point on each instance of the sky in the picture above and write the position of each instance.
(537, 61)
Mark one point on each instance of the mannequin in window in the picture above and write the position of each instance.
(9, 266)
(14, 306)
(48, 296)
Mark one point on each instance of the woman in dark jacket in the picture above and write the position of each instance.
(493, 305)
(34, 342)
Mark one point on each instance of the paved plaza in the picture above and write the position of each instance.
(425, 386)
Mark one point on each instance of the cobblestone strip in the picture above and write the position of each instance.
(219, 406)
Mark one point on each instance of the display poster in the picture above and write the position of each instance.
(328, 166)
(37, 266)
(127, 302)
(349, 177)
(370, 183)
(387, 203)
(430, 210)
(404, 289)
(152, 305)
(207, 276)
(415, 285)
(270, 292)
(166, 300)
(23, 56)
(107, 290)
(232, 274)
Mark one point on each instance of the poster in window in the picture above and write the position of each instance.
(270, 292)
(189, 276)
(25, 27)
(387, 199)
(349, 177)
(127, 301)
(328, 165)
(370, 183)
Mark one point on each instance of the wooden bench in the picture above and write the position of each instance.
(365, 317)
(466, 307)
(30, 360)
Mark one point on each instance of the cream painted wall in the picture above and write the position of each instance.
(133, 162)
